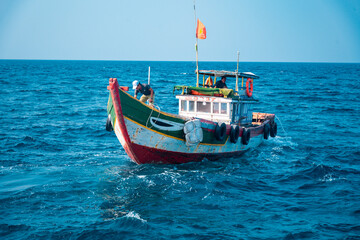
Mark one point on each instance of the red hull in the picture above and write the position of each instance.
(142, 154)
(153, 155)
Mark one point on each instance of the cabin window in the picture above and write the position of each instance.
(223, 108)
(216, 107)
(203, 107)
(191, 106)
(183, 105)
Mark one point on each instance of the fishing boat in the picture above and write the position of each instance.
(211, 123)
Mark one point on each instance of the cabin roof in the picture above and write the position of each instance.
(220, 73)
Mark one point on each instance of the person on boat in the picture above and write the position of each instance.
(146, 90)
(221, 84)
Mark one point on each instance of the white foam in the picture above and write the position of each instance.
(135, 215)
(285, 141)
(329, 178)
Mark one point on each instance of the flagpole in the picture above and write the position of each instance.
(197, 65)
(196, 48)
(237, 72)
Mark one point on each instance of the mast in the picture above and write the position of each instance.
(196, 49)
(237, 73)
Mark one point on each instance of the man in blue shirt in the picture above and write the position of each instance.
(146, 90)
(221, 84)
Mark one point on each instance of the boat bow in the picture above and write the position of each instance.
(119, 121)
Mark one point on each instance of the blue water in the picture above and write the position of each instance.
(62, 176)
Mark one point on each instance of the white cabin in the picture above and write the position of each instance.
(217, 109)
(228, 106)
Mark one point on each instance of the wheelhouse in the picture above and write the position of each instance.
(218, 105)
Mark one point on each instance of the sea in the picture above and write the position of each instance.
(62, 176)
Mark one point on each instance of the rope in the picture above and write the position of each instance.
(281, 126)
(152, 110)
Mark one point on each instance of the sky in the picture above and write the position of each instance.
(164, 30)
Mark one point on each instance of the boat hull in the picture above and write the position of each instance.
(151, 136)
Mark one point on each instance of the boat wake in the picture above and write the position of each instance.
(284, 142)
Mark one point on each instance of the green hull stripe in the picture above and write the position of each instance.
(140, 113)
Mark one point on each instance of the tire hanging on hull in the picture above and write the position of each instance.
(108, 126)
(234, 133)
(245, 138)
(266, 131)
(220, 131)
(273, 129)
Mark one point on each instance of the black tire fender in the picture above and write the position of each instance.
(245, 137)
(266, 131)
(109, 126)
(220, 131)
(273, 129)
(234, 133)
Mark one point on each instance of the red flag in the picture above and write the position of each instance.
(200, 30)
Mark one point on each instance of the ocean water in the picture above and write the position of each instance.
(62, 176)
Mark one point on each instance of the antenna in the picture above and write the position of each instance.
(237, 72)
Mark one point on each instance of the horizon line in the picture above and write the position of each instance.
(108, 60)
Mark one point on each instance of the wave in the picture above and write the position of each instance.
(313, 175)
(339, 227)
(321, 77)
(11, 231)
(301, 235)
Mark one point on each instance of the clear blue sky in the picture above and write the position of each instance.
(262, 30)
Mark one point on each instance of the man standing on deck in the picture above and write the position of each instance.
(221, 84)
(146, 90)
